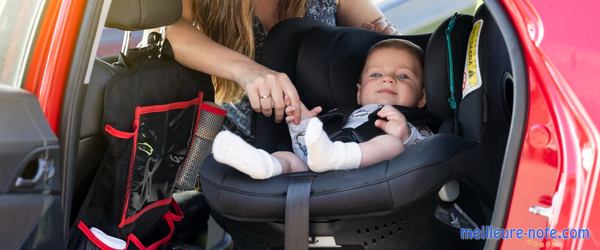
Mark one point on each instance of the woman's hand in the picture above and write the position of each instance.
(364, 14)
(381, 25)
(267, 90)
(393, 123)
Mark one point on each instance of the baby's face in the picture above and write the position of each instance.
(391, 77)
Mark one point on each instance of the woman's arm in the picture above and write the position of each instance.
(363, 13)
(195, 50)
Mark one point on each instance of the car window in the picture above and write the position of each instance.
(423, 16)
(112, 40)
(18, 22)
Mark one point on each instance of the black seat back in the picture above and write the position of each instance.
(91, 139)
(486, 107)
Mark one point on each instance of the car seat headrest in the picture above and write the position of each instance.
(437, 65)
(142, 14)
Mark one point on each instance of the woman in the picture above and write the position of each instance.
(222, 37)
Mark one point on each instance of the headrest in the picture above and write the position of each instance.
(142, 14)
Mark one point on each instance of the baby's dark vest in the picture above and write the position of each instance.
(335, 119)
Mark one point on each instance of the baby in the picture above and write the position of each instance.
(392, 75)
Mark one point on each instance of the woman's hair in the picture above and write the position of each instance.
(229, 23)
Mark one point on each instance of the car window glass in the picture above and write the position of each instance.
(423, 16)
(112, 40)
(18, 22)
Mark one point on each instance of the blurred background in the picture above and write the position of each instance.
(409, 16)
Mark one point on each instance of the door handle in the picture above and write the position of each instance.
(45, 170)
(542, 211)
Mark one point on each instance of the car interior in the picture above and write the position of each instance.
(418, 200)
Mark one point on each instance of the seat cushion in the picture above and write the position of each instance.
(375, 189)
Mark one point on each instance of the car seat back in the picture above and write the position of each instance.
(485, 110)
(91, 139)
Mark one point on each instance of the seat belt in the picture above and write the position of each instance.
(297, 206)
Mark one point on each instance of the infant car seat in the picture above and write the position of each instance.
(397, 204)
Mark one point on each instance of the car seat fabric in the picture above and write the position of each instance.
(485, 111)
(91, 139)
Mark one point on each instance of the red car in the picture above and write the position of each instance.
(550, 168)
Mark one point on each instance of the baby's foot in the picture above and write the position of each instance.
(232, 150)
(324, 155)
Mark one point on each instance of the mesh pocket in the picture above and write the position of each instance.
(210, 123)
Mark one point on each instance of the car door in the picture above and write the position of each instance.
(31, 202)
(30, 183)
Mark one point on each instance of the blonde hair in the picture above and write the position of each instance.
(229, 23)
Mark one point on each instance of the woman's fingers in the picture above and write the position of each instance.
(268, 90)
(381, 25)
(278, 95)
(264, 95)
(252, 93)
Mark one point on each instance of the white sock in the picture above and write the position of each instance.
(324, 155)
(232, 150)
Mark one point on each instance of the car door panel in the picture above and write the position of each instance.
(30, 175)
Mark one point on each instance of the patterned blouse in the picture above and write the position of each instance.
(239, 114)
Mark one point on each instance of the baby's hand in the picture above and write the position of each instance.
(305, 113)
(393, 122)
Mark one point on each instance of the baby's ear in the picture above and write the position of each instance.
(358, 93)
(423, 100)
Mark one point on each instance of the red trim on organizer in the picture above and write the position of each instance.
(133, 218)
(134, 239)
(170, 217)
(166, 107)
(118, 133)
(139, 110)
(177, 215)
(88, 233)
(213, 109)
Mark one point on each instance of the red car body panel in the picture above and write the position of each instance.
(559, 163)
(52, 54)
